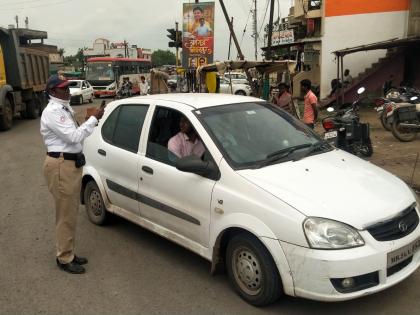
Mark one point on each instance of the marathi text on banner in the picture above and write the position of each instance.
(198, 34)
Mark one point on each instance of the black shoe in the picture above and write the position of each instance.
(71, 267)
(80, 260)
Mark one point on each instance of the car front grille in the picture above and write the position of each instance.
(397, 227)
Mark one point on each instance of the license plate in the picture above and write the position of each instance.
(403, 253)
(330, 135)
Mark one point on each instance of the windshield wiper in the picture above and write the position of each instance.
(319, 146)
(281, 154)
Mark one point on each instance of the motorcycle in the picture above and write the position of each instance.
(385, 105)
(406, 120)
(124, 91)
(345, 131)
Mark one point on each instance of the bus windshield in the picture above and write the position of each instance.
(100, 71)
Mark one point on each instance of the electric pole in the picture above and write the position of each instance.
(177, 40)
(230, 40)
(235, 40)
(270, 31)
(254, 26)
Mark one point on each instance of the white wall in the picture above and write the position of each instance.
(352, 30)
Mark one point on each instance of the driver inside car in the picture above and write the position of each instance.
(186, 142)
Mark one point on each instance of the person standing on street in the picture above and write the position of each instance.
(63, 139)
(310, 111)
(143, 86)
(284, 99)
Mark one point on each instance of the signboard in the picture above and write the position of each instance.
(198, 34)
(282, 37)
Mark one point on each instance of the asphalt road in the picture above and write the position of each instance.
(130, 270)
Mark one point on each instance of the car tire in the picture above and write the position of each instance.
(252, 271)
(6, 119)
(94, 204)
(240, 92)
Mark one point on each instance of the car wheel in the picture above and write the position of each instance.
(252, 270)
(94, 204)
(6, 119)
(240, 92)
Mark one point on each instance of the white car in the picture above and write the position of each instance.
(80, 91)
(269, 200)
(235, 88)
(237, 77)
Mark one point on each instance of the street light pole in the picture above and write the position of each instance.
(176, 43)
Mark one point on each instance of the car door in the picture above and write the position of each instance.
(85, 91)
(118, 157)
(224, 86)
(176, 200)
(89, 90)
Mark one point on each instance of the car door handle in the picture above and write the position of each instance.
(147, 169)
(102, 152)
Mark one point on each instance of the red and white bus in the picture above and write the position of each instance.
(105, 74)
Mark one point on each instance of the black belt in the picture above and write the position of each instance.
(66, 156)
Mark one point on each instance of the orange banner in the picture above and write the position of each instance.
(350, 7)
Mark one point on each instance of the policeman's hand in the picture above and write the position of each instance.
(99, 113)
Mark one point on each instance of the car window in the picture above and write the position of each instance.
(83, 85)
(74, 84)
(249, 133)
(123, 127)
(166, 126)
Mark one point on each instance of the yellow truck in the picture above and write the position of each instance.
(24, 70)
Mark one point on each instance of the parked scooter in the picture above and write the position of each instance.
(345, 131)
(406, 120)
(395, 98)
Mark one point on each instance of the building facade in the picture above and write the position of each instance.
(104, 48)
(321, 27)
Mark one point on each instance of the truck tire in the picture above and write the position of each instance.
(6, 120)
(32, 109)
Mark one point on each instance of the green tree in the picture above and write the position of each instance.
(163, 57)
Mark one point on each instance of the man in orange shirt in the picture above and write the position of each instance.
(310, 112)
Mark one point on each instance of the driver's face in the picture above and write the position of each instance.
(184, 125)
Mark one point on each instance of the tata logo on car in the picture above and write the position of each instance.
(402, 226)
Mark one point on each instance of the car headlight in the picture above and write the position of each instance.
(329, 234)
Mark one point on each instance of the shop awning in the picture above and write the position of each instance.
(404, 42)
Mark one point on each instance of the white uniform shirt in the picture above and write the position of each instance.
(59, 128)
(143, 87)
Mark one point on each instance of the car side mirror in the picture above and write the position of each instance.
(193, 164)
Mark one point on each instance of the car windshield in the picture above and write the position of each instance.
(173, 77)
(74, 84)
(99, 71)
(253, 135)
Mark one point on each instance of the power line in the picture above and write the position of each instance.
(265, 15)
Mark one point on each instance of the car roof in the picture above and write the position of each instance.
(199, 100)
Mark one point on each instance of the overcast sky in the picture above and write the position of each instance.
(77, 23)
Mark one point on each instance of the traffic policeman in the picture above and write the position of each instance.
(63, 139)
